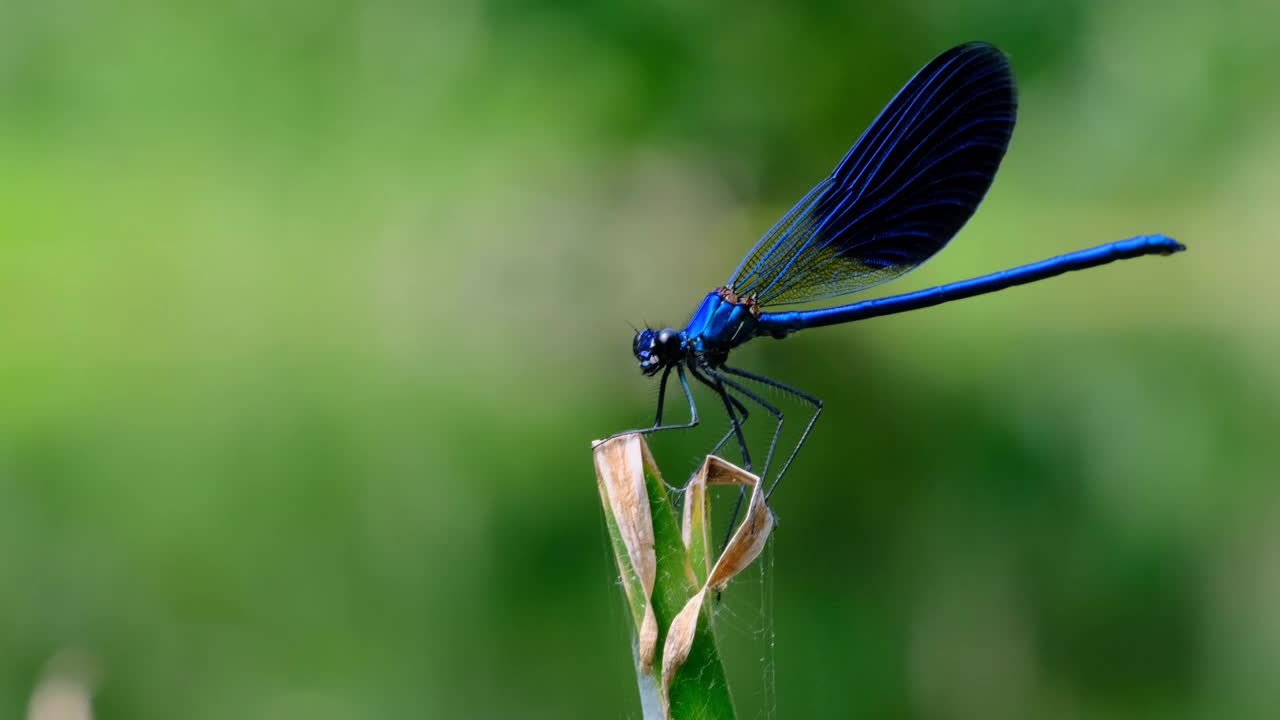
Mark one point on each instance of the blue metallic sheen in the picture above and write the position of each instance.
(718, 325)
(783, 323)
(905, 188)
(902, 191)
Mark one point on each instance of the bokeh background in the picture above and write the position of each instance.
(308, 312)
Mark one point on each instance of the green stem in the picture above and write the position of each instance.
(698, 690)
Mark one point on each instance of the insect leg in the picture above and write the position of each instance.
(662, 395)
(796, 392)
(768, 406)
(777, 414)
(658, 426)
(729, 401)
(743, 413)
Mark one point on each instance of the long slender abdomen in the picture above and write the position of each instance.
(779, 324)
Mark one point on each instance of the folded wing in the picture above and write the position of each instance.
(906, 187)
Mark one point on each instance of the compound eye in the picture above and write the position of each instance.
(667, 343)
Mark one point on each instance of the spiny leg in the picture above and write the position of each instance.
(777, 414)
(768, 406)
(729, 401)
(657, 423)
(736, 428)
(743, 414)
(812, 400)
(731, 404)
(662, 395)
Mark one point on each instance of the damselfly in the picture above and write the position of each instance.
(905, 188)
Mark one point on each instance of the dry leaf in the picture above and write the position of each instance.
(746, 544)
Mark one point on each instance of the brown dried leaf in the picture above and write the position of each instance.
(747, 542)
(620, 467)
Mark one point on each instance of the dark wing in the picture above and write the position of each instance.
(906, 187)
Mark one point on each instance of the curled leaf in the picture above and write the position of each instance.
(746, 544)
(667, 572)
(620, 473)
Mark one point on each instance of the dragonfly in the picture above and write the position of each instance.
(909, 183)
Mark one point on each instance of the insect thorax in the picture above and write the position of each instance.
(723, 321)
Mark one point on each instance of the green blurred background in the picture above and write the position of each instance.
(308, 312)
